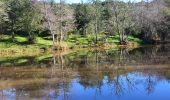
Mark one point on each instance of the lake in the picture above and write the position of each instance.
(115, 74)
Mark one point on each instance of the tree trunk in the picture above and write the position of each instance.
(13, 36)
(96, 21)
(13, 33)
(61, 35)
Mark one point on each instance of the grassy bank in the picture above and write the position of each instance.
(78, 41)
(21, 45)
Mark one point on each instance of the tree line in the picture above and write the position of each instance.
(149, 20)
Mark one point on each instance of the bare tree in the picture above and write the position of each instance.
(97, 14)
(49, 17)
(121, 19)
(65, 19)
(150, 18)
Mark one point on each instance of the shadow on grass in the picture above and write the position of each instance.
(10, 41)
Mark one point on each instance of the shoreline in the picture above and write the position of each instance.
(30, 51)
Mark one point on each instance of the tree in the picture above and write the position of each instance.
(164, 20)
(61, 21)
(151, 19)
(3, 16)
(82, 18)
(31, 20)
(121, 19)
(23, 16)
(49, 17)
(96, 16)
(65, 17)
(14, 11)
(106, 16)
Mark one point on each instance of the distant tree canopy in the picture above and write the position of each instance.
(82, 17)
(21, 15)
(149, 20)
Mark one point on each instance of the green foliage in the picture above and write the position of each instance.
(82, 17)
(3, 16)
(23, 16)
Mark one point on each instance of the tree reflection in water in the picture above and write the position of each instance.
(99, 72)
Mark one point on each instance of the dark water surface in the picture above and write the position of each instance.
(114, 74)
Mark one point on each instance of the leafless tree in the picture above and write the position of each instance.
(49, 17)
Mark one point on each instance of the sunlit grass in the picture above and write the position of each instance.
(41, 41)
(21, 61)
(91, 39)
(21, 44)
(21, 39)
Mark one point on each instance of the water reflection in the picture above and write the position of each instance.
(88, 74)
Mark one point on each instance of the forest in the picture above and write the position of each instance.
(61, 25)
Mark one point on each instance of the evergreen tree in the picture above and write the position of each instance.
(82, 18)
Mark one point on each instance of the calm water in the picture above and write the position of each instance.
(114, 74)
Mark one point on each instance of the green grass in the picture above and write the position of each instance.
(90, 39)
(134, 39)
(6, 42)
(21, 61)
(41, 41)
(21, 45)
(112, 40)
(20, 39)
(73, 41)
